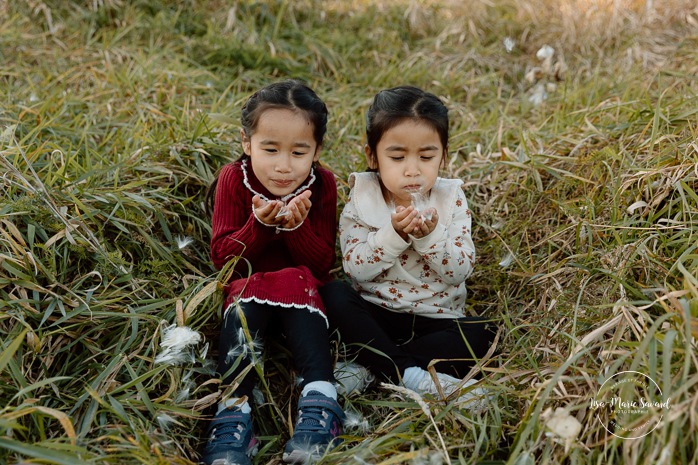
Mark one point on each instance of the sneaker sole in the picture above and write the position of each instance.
(298, 456)
(251, 452)
(227, 462)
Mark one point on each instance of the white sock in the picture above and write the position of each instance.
(234, 402)
(323, 387)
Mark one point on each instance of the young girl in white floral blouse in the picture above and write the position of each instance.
(406, 242)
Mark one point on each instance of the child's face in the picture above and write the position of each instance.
(408, 157)
(282, 150)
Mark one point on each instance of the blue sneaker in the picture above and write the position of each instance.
(231, 440)
(318, 426)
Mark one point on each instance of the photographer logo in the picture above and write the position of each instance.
(630, 405)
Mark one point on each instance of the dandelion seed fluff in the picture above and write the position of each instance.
(258, 396)
(420, 201)
(563, 425)
(539, 95)
(546, 51)
(175, 342)
(506, 261)
(179, 337)
(245, 347)
(233, 353)
(182, 396)
(164, 420)
(436, 458)
(583, 234)
(183, 242)
(354, 421)
(204, 351)
(428, 458)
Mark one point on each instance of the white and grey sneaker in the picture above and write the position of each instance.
(352, 378)
(472, 398)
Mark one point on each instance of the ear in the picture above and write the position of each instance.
(370, 158)
(318, 149)
(246, 143)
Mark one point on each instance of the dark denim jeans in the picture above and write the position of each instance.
(388, 342)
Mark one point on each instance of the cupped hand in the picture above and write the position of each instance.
(298, 209)
(405, 220)
(266, 211)
(430, 218)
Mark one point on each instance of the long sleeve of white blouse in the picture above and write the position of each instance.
(449, 249)
(366, 251)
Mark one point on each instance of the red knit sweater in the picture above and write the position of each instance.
(286, 266)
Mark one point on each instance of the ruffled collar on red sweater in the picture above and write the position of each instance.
(255, 186)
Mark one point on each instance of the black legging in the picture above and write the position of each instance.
(305, 333)
(388, 342)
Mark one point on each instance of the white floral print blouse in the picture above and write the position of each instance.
(425, 276)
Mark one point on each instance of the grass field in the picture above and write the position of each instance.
(581, 169)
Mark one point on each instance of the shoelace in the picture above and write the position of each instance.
(312, 419)
(229, 433)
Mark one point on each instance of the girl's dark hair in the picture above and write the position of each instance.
(391, 107)
(290, 94)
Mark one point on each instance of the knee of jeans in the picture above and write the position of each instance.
(335, 292)
(338, 302)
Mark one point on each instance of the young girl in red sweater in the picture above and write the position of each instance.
(276, 209)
